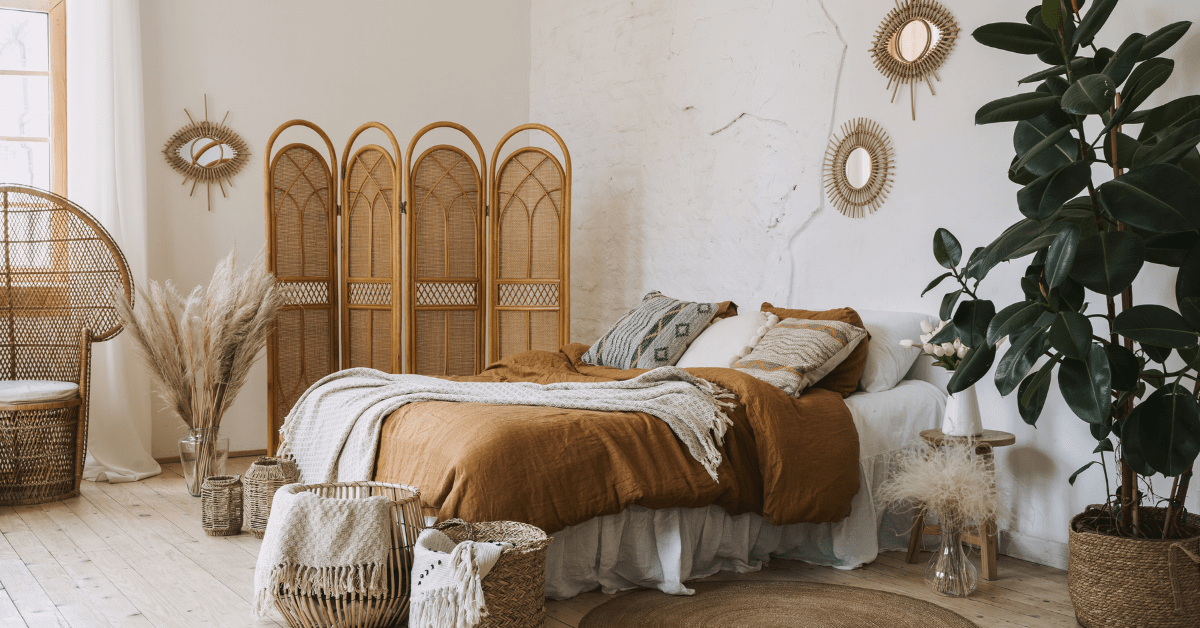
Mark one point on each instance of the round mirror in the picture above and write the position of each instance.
(858, 168)
(913, 41)
(206, 152)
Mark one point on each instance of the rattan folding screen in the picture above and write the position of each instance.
(479, 270)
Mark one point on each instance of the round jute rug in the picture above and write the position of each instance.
(801, 604)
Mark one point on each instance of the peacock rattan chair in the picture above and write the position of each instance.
(60, 272)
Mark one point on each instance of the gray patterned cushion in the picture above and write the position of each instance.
(653, 334)
(797, 353)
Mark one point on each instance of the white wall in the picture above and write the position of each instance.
(697, 130)
(339, 64)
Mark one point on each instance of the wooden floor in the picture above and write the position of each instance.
(134, 555)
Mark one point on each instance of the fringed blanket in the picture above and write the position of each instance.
(323, 546)
(333, 431)
(447, 580)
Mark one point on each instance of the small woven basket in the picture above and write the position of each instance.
(1118, 582)
(262, 479)
(356, 611)
(221, 505)
(515, 588)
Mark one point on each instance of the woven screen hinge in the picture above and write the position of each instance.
(403, 207)
(487, 209)
(338, 209)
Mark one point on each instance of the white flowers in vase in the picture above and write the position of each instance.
(947, 355)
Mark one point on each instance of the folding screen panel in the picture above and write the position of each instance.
(529, 252)
(301, 213)
(370, 261)
(446, 193)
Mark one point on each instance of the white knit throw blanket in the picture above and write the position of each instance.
(447, 588)
(320, 545)
(333, 431)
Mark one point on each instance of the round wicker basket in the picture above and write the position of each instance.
(355, 611)
(1118, 582)
(221, 505)
(262, 479)
(515, 589)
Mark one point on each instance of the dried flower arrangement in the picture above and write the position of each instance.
(199, 348)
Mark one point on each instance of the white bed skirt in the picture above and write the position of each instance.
(662, 549)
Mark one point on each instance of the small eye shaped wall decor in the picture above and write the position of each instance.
(858, 168)
(206, 152)
(911, 43)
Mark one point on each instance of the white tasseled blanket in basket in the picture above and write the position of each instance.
(447, 580)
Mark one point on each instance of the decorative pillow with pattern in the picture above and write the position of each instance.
(797, 353)
(653, 334)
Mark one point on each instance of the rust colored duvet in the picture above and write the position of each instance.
(790, 460)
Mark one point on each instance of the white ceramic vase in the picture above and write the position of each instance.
(962, 414)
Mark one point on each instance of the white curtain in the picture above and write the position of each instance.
(106, 175)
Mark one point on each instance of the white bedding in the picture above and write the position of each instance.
(662, 549)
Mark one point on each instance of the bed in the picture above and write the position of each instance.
(626, 504)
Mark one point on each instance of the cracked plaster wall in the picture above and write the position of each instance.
(697, 130)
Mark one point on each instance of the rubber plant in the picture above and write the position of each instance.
(1100, 200)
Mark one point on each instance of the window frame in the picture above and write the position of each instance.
(57, 11)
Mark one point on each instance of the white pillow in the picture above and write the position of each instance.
(887, 361)
(36, 391)
(727, 340)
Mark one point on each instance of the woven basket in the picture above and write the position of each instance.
(221, 505)
(1118, 582)
(262, 479)
(354, 611)
(515, 588)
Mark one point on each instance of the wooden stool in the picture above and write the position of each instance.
(985, 539)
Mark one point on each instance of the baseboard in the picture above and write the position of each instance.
(1033, 549)
(232, 454)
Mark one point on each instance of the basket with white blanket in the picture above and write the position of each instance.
(514, 588)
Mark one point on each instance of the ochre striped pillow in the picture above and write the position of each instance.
(797, 353)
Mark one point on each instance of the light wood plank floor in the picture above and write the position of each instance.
(134, 555)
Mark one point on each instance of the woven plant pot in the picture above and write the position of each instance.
(1118, 582)
(221, 505)
(355, 611)
(262, 479)
(515, 588)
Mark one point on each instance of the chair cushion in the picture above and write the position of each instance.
(36, 391)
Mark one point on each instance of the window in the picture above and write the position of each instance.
(33, 106)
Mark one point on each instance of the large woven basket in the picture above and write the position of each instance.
(355, 611)
(1118, 582)
(515, 588)
(262, 479)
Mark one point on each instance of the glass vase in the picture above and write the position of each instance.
(202, 453)
(950, 572)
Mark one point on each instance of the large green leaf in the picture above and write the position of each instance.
(1013, 37)
(1053, 55)
(1031, 394)
(972, 319)
(1061, 255)
(1109, 262)
(1124, 367)
(1013, 108)
(933, 284)
(1029, 136)
(1155, 324)
(1160, 198)
(1016, 362)
(1144, 79)
(948, 302)
(1131, 445)
(1071, 334)
(974, 264)
(972, 368)
(1156, 354)
(1127, 147)
(1054, 140)
(1042, 198)
(1176, 144)
(1089, 95)
(1092, 21)
(1052, 13)
(946, 249)
(1058, 70)
(1012, 320)
(1168, 426)
(1187, 285)
(1160, 40)
(1080, 470)
(1170, 249)
(1121, 65)
(1173, 114)
(1086, 385)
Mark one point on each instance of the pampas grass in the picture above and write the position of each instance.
(199, 349)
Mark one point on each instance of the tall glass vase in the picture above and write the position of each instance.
(950, 572)
(202, 453)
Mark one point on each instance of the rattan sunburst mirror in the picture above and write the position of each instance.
(911, 43)
(858, 168)
(206, 152)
